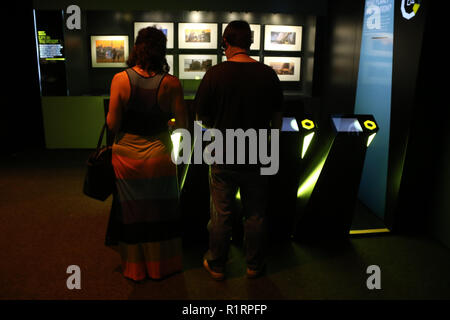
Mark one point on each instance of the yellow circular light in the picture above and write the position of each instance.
(369, 124)
(307, 124)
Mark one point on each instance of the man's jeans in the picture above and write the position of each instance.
(223, 185)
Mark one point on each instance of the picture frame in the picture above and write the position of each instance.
(166, 27)
(287, 68)
(109, 51)
(283, 38)
(194, 66)
(256, 34)
(197, 36)
(169, 58)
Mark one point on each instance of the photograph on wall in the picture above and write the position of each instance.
(197, 36)
(287, 68)
(165, 27)
(169, 58)
(256, 35)
(282, 38)
(109, 51)
(194, 66)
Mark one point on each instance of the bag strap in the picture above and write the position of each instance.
(101, 137)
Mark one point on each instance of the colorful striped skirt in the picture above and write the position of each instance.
(146, 213)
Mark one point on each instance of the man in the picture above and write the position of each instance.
(238, 93)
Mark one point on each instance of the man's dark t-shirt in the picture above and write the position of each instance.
(236, 95)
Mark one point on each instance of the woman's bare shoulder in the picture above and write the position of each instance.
(121, 75)
(171, 82)
(120, 78)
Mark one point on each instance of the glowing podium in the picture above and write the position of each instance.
(296, 140)
(327, 193)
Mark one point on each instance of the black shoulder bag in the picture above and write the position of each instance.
(99, 182)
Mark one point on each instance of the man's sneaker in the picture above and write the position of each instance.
(252, 274)
(215, 275)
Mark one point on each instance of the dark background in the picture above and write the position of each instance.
(419, 126)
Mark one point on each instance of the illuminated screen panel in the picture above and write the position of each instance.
(373, 96)
(347, 125)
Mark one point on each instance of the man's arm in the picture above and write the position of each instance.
(203, 101)
(278, 98)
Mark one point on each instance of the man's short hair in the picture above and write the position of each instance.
(238, 34)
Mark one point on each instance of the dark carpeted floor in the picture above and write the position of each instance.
(47, 224)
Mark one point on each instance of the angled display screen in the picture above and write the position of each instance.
(347, 125)
(289, 124)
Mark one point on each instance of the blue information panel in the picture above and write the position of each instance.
(373, 96)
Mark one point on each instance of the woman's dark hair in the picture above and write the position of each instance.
(238, 34)
(149, 51)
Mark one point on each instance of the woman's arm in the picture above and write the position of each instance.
(172, 99)
(119, 95)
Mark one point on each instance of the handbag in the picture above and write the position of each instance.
(99, 181)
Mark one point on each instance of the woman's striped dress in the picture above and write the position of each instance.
(146, 213)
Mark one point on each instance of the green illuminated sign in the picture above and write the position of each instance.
(43, 38)
(49, 49)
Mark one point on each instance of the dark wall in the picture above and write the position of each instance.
(438, 212)
(22, 126)
(316, 7)
(85, 80)
(406, 105)
(424, 202)
(337, 60)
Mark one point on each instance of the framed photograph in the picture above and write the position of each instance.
(169, 58)
(197, 36)
(287, 68)
(166, 27)
(194, 66)
(224, 58)
(256, 35)
(109, 51)
(283, 38)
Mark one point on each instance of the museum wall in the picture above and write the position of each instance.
(84, 79)
(339, 42)
(117, 18)
(22, 125)
(316, 7)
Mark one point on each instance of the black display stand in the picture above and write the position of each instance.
(294, 153)
(326, 212)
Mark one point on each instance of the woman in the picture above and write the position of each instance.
(145, 208)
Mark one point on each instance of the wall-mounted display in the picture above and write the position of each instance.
(194, 66)
(224, 58)
(197, 36)
(256, 35)
(165, 27)
(282, 38)
(109, 51)
(287, 68)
